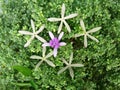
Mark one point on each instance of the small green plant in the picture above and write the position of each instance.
(55, 42)
(43, 63)
(27, 73)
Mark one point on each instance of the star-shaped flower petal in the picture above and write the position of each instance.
(55, 42)
(87, 33)
(69, 66)
(33, 34)
(62, 19)
(43, 58)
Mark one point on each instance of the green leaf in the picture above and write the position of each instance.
(34, 85)
(22, 84)
(24, 70)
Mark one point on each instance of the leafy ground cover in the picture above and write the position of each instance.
(98, 65)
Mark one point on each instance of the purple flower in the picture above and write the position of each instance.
(55, 42)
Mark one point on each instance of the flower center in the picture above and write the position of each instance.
(63, 19)
(54, 43)
(85, 33)
(44, 58)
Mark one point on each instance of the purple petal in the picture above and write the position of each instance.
(55, 52)
(54, 43)
(51, 35)
(46, 44)
(62, 44)
(60, 36)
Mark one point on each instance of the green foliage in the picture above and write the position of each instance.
(24, 70)
(101, 60)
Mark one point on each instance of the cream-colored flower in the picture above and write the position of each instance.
(87, 33)
(43, 58)
(69, 66)
(33, 34)
(62, 19)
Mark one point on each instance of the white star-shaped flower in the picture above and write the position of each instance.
(69, 66)
(62, 19)
(87, 33)
(33, 34)
(43, 58)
